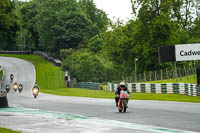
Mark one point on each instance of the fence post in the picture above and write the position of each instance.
(194, 73)
(145, 77)
(161, 75)
(155, 75)
(150, 76)
(180, 74)
(167, 74)
(186, 72)
(175, 70)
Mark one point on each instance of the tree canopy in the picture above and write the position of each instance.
(84, 37)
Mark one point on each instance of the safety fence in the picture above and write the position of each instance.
(169, 88)
(88, 85)
(163, 74)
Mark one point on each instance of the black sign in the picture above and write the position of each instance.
(167, 54)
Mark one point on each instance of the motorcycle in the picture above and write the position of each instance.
(123, 101)
(7, 88)
(20, 88)
(11, 77)
(35, 91)
(15, 86)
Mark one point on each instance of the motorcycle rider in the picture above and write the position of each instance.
(7, 88)
(35, 90)
(117, 93)
(20, 88)
(11, 77)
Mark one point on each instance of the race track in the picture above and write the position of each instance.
(50, 113)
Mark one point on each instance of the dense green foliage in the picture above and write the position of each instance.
(86, 66)
(49, 25)
(156, 23)
(8, 25)
(88, 39)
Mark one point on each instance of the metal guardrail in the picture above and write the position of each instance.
(56, 62)
(15, 52)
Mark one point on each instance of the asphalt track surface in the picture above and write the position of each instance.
(50, 113)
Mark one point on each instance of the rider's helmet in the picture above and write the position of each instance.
(122, 84)
(36, 86)
(11, 75)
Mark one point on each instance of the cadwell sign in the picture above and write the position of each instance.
(187, 52)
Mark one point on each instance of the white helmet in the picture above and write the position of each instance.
(122, 83)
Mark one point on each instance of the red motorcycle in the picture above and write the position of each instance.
(123, 101)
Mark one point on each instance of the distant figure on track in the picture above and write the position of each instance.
(11, 77)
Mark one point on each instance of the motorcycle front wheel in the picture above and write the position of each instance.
(124, 106)
(124, 109)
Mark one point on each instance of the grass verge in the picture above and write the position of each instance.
(1, 74)
(110, 95)
(48, 76)
(50, 80)
(4, 130)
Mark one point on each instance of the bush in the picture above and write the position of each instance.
(88, 67)
(64, 53)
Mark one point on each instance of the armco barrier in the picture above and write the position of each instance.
(56, 62)
(88, 85)
(15, 52)
(169, 88)
(3, 95)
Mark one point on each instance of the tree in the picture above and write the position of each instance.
(61, 24)
(195, 32)
(98, 18)
(77, 64)
(28, 34)
(183, 11)
(8, 25)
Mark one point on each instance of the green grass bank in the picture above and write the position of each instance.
(50, 80)
(4, 130)
(1, 74)
(48, 76)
